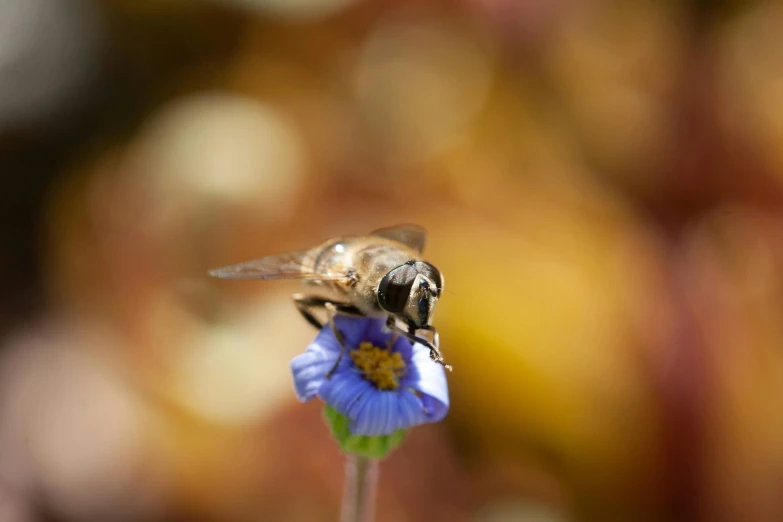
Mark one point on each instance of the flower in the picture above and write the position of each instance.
(382, 384)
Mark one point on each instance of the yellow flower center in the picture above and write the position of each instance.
(380, 366)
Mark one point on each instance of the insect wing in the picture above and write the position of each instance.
(410, 235)
(291, 265)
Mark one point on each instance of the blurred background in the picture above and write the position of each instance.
(602, 182)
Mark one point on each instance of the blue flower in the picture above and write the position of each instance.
(381, 385)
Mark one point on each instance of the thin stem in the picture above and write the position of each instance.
(361, 483)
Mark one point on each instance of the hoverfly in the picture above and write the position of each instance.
(377, 275)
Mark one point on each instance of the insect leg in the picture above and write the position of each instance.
(331, 311)
(391, 322)
(435, 337)
(435, 354)
(411, 335)
(305, 304)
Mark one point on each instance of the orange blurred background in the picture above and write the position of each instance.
(602, 182)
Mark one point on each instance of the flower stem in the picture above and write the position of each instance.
(361, 481)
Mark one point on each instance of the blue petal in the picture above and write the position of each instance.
(403, 346)
(354, 329)
(429, 378)
(376, 332)
(379, 335)
(383, 413)
(346, 392)
(434, 409)
(378, 415)
(310, 368)
(411, 409)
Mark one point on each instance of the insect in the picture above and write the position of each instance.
(377, 275)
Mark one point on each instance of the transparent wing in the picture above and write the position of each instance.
(411, 235)
(282, 266)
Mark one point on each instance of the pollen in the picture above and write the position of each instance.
(380, 366)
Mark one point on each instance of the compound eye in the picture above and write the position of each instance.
(433, 274)
(395, 288)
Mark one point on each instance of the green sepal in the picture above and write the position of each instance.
(361, 445)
